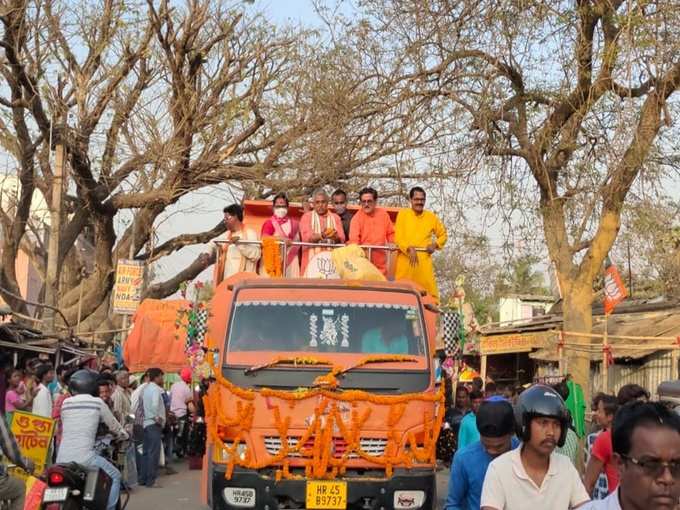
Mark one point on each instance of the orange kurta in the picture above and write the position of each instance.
(375, 229)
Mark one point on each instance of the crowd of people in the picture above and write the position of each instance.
(512, 451)
(511, 446)
(99, 412)
(415, 235)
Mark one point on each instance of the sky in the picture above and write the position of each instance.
(288, 11)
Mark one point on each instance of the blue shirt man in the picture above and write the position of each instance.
(496, 424)
(468, 432)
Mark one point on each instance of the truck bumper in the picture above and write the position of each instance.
(369, 493)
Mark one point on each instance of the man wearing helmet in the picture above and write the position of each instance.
(80, 416)
(534, 475)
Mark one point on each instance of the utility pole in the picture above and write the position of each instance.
(131, 256)
(630, 273)
(52, 280)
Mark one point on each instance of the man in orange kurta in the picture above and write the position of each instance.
(372, 225)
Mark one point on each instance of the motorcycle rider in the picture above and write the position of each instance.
(534, 475)
(80, 416)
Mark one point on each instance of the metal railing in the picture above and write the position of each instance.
(390, 249)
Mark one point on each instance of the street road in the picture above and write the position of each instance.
(180, 492)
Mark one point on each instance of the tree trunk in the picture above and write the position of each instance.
(577, 315)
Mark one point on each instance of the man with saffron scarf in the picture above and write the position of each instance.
(416, 229)
(372, 225)
(319, 226)
(285, 228)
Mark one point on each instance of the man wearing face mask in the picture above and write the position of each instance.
(284, 228)
(339, 199)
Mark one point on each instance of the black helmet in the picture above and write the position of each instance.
(84, 381)
(541, 401)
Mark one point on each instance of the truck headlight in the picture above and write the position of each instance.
(241, 451)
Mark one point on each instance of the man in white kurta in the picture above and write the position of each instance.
(232, 257)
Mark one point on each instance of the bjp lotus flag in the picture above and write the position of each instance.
(614, 289)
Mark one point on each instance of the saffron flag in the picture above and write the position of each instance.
(614, 289)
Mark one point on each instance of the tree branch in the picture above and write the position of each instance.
(179, 242)
(169, 287)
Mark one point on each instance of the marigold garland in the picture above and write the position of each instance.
(318, 459)
(271, 257)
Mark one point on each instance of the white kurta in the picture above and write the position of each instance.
(240, 257)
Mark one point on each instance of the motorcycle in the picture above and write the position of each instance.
(73, 486)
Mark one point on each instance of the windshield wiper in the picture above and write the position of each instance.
(330, 380)
(386, 358)
(290, 361)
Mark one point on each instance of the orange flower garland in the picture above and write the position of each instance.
(271, 257)
(326, 423)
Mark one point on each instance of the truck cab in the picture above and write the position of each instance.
(325, 395)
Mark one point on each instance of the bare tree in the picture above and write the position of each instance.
(561, 102)
(153, 101)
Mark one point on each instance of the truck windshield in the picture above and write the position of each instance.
(326, 327)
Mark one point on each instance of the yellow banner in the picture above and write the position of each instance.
(33, 434)
(516, 342)
(127, 292)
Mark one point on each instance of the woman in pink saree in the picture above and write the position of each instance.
(285, 228)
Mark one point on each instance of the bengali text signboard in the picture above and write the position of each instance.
(127, 292)
(33, 434)
(515, 342)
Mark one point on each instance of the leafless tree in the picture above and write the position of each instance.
(153, 101)
(561, 103)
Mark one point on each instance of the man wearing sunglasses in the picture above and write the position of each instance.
(646, 440)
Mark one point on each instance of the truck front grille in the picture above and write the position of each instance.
(374, 446)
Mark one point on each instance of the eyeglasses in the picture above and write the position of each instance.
(367, 202)
(654, 467)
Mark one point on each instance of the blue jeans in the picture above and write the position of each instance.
(110, 470)
(151, 454)
(131, 466)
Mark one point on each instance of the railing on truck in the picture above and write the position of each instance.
(286, 245)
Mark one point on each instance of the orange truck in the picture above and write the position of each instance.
(325, 395)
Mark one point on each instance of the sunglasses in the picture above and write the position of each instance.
(655, 468)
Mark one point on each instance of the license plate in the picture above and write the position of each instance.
(55, 494)
(326, 495)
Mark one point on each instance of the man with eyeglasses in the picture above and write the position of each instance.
(646, 440)
(372, 226)
(339, 200)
